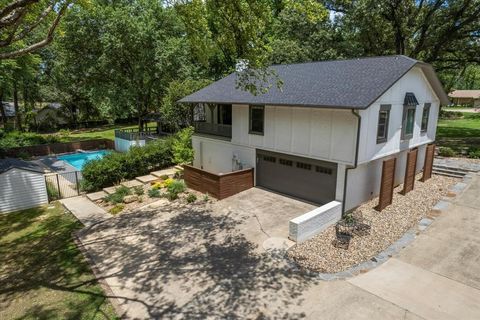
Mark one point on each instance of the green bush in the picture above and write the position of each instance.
(117, 209)
(115, 167)
(450, 115)
(52, 192)
(182, 147)
(174, 189)
(474, 153)
(446, 152)
(154, 193)
(191, 198)
(139, 191)
(14, 139)
(118, 195)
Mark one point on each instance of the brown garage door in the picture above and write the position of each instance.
(304, 178)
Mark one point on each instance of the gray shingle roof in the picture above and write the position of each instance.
(10, 163)
(348, 84)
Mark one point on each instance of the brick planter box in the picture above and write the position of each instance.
(219, 186)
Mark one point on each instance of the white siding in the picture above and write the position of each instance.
(413, 81)
(21, 189)
(216, 155)
(363, 182)
(322, 134)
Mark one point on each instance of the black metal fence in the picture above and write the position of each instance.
(63, 185)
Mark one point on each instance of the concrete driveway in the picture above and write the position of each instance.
(196, 262)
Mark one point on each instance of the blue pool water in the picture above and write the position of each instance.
(78, 160)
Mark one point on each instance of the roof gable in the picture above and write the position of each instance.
(13, 163)
(348, 84)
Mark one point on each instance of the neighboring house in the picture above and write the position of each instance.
(22, 185)
(52, 115)
(466, 97)
(9, 109)
(324, 134)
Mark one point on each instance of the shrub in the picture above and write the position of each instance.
(474, 153)
(154, 193)
(117, 209)
(182, 146)
(191, 198)
(168, 182)
(206, 197)
(118, 195)
(446, 152)
(115, 167)
(139, 191)
(174, 188)
(52, 192)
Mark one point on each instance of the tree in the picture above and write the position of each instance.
(22, 21)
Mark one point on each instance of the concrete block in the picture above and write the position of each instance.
(147, 179)
(96, 195)
(311, 223)
(132, 183)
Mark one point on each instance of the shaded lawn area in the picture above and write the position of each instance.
(104, 132)
(460, 133)
(43, 275)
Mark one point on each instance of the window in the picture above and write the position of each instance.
(305, 166)
(269, 159)
(199, 114)
(224, 114)
(256, 119)
(383, 119)
(425, 116)
(408, 122)
(324, 170)
(285, 162)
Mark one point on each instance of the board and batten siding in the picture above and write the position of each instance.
(21, 189)
(413, 81)
(323, 134)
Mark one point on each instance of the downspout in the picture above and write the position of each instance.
(359, 125)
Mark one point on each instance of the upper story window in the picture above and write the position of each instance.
(383, 120)
(256, 119)
(425, 116)
(224, 114)
(199, 114)
(408, 122)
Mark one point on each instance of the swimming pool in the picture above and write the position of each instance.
(78, 160)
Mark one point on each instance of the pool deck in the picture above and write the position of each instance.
(52, 163)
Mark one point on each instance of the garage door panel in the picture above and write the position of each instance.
(308, 179)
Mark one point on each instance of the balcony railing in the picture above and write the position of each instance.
(134, 134)
(216, 129)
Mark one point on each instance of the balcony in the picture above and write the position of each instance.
(222, 130)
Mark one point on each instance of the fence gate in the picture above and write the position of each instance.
(428, 166)
(409, 180)
(63, 185)
(387, 184)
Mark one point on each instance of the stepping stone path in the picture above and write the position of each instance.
(96, 195)
(110, 190)
(165, 172)
(131, 183)
(147, 179)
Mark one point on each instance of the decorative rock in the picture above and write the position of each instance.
(96, 195)
(132, 183)
(110, 190)
(147, 179)
(130, 198)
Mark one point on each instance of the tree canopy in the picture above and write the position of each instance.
(114, 59)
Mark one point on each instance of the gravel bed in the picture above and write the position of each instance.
(318, 254)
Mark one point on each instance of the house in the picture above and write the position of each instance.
(23, 185)
(466, 97)
(52, 115)
(322, 136)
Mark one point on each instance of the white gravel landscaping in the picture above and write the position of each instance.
(318, 254)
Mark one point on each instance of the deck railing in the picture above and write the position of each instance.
(216, 129)
(134, 134)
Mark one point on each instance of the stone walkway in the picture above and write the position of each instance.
(458, 163)
(85, 210)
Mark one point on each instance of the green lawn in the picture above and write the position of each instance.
(106, 132)
(460, 133)
(42, 273)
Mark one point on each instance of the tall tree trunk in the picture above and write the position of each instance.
(18, 116)
(2, 111)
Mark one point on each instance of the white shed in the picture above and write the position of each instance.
(22, 185)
